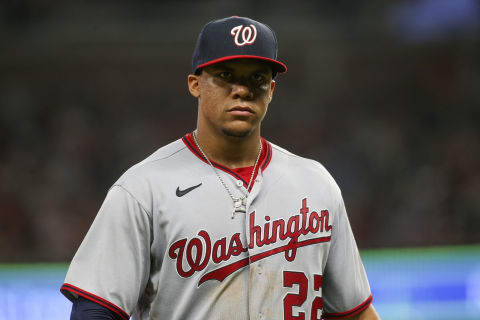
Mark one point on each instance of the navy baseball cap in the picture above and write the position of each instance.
(236, 38)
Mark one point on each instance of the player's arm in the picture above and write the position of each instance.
(368, 314)
(116, 246)
(346, 291)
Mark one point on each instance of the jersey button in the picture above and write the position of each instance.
(239, 183)
(260, 316)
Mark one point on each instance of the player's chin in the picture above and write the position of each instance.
(241, 130)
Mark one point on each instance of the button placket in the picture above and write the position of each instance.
(255, 189)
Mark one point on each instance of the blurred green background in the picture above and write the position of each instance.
(385, 94)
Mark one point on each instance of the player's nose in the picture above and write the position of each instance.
(242, 91)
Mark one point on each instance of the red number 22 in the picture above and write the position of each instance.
(293, 277)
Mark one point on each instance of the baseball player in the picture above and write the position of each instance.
(222, 224)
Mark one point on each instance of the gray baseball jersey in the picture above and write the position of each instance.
(164, 244)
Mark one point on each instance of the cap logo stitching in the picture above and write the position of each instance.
(248, 34)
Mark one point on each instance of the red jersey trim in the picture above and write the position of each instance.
(351, 312)
(265, 158)
(191, 145)
(90, 296)
(268, 157)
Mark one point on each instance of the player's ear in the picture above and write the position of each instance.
(193, 85)
(272, 88)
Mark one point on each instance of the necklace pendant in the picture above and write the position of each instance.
(237, 204)
(238, 210)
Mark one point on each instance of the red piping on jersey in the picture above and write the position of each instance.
(264, 160)
(191, 145)
(268, 157)
(94, 298)
(351, 312)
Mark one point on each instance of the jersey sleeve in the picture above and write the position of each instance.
(111, 266)
(87, 309)
(346, 290)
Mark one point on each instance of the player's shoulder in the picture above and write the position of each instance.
(295, 165)
(164, 153)
(295, 160)
(162, 161)
(147, 179)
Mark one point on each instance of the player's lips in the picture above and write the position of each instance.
(241, 111)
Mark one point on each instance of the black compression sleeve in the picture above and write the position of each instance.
(84, 309)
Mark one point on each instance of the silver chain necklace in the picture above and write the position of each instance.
(239, 204)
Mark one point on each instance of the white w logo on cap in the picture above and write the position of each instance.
(248, 34)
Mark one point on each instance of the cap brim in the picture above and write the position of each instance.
(277, 66)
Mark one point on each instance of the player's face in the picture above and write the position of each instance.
(233, 96)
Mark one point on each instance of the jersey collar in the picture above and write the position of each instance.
(263, 162)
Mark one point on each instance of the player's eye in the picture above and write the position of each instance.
(257, 77)
(226, 75)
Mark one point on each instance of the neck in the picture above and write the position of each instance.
(232, 152)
